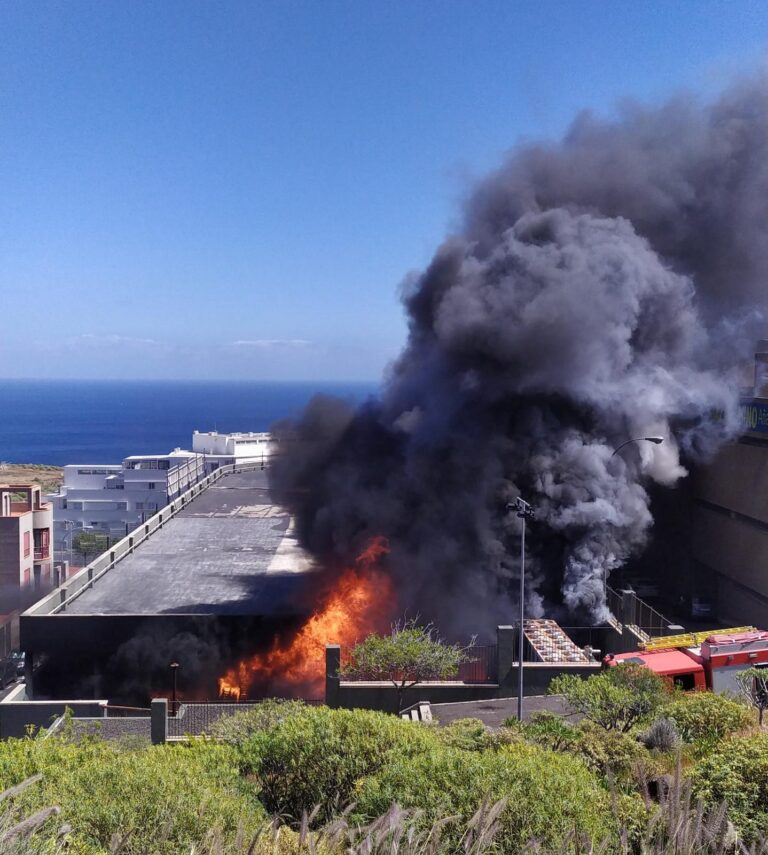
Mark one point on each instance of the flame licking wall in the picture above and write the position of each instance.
(600, 288)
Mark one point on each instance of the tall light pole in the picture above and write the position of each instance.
(174, 666)
(656, 440)
(524, 512)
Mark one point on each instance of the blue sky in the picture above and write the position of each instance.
(237, 189)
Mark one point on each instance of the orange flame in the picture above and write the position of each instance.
(360, 601)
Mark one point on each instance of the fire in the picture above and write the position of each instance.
(360, 601)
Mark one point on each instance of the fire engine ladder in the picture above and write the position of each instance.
(550, 643)
(690, 639)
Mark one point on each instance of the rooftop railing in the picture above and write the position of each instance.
(58, 600)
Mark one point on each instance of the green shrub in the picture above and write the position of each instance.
(617, 698)
(470, 734)
(548, 729)
(548, 796)
(162, 799)
(612, 754)
(315, 757)
(736, 772)
(237, 728)
(707, 717)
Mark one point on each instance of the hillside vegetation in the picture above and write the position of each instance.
(689, 776)
(49, 478)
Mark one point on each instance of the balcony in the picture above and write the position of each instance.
(42, 553)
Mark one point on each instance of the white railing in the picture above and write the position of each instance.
(58, 600)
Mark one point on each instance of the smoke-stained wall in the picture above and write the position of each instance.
(601, 288)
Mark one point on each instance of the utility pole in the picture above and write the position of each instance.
(524, 512)
(174, 670)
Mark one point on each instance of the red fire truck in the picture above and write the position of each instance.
(701, 660)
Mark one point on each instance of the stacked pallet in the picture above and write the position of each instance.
(551, 644)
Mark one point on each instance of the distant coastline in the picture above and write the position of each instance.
(56, 422)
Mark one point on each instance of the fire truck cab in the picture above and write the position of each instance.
(701, 661)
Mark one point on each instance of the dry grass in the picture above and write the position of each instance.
(48, 477)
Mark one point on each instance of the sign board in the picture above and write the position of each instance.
(754, 415)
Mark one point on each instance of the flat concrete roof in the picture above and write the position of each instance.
(229, 552)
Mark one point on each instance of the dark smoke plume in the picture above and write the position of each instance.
(601, 288)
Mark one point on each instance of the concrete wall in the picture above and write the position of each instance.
(17, 717)
(537, 677)
(730, 531)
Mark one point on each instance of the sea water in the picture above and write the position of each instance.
(102, 421)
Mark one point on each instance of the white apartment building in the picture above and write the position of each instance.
(221, 449)
(114, 499)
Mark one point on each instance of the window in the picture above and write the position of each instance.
(26, 544)
(150, 485)
(121, 506)
(27, 576)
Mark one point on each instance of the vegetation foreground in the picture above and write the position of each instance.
(644, 771)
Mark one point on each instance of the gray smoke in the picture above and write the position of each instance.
(601, 288)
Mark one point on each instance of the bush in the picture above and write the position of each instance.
(237, 728)
(707, 717)
(736, 771)
(617, 698)
(470, 734)
(612, 754)
(548, 729)
(163, 799)
(662, 735)
(314, 758)
(548, 796)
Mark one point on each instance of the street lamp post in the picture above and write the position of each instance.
(524, 512)
(174, 670)
(656, 440)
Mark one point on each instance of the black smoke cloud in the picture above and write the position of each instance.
(603, 287)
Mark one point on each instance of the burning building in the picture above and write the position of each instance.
(599, 288)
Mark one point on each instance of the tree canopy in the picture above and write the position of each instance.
(409, 655)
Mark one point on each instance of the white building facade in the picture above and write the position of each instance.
(221, 449)
(113, 499)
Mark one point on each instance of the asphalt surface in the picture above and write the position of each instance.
(230, 552)
(493, 712)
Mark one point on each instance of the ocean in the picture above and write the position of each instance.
(89, 421)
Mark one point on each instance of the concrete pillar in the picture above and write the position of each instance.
(506, 641)
(159, 722)
(628, 607)
(332, 666)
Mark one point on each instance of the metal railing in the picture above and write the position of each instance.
(613, 601)
(632, 612)
(649, 621)
(116, 711)
(196, 719)
(85, 578)
(42, 553)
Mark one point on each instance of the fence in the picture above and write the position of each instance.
(196, 719)
(636, 614)
(613, 601)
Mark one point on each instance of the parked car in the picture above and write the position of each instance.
(8, 672)
(19, 658)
